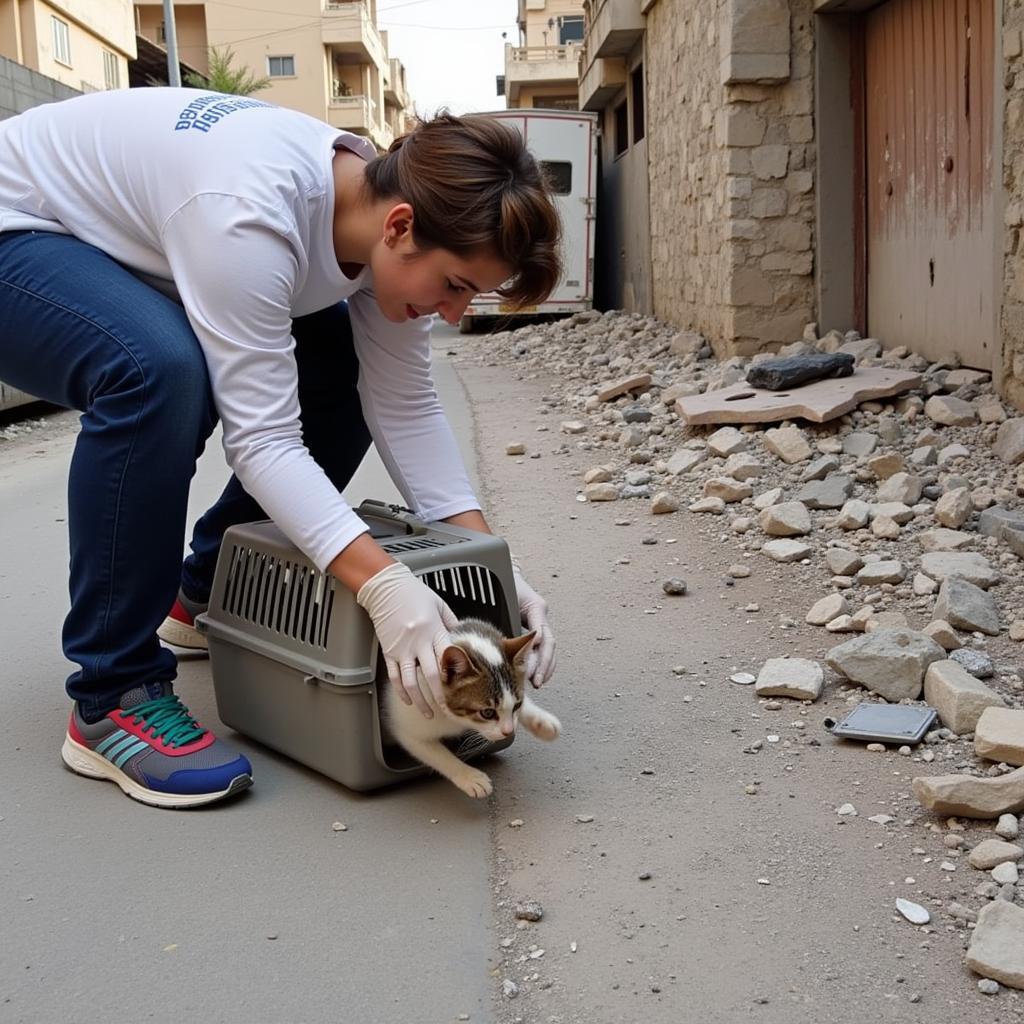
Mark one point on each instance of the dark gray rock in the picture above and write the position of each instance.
(831, 492)
(636, 414)
(779, 374)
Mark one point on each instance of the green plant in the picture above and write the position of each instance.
(222, 77)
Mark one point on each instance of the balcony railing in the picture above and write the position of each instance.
(533, 54)
(349, 28)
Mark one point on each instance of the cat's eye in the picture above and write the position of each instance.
(518, 706)
(488, 714)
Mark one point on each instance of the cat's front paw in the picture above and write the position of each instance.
(474, 783)
(543, 724)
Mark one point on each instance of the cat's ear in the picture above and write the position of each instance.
(455, 664)
(518, 647)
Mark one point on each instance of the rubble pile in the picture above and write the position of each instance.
(905, 516)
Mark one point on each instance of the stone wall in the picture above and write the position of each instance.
(731, 137)
(689, 261)
(22, 88)
(1012, 318)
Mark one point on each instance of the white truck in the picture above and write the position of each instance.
(564, 142)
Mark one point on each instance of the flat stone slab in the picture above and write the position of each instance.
(965, 796)
(787, 550)
(790, 677)
(967, 565)
(614, 389)
(999, 735)
(818, 402)
(997, 944)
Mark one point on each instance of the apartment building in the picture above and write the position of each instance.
(83, 44)
(765, 148)
(543, 70)
(326, 58)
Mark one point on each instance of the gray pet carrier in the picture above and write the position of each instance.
(295, 660)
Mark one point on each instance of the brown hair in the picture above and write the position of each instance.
(473, 186)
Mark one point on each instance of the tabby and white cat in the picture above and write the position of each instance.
(483, 674)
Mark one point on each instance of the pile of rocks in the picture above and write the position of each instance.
(911, 509)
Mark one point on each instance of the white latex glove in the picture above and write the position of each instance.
(412, 625)
(533, 609)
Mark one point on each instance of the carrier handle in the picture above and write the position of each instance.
(394, 513)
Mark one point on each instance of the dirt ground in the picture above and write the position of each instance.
(686, 898)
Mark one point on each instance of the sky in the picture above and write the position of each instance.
(452, 50)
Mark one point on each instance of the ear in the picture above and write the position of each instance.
(455, 665)
(398, 222)
(516, 648)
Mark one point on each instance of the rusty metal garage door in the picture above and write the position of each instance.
(931, 262)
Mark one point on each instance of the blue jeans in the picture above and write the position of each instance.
(80, 330)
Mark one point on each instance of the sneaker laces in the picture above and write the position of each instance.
(167, 719)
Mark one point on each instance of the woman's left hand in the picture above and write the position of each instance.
(533, 610)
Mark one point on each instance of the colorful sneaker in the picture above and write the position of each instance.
(179, 629)
(155, 751)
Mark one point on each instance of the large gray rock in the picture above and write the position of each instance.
(997, 944)
(958, 697)
(874, 573)
(950, 411)
(826, 609)
(859, 444)
(727, 489)
(743, 466)
(788, 443)
(965, 606)
(842, 562)
(1009, 444)
(966, 796)
(727, 441)
(894, 510)
(685, 459)
(820, 468)
(787, 519)
(892, 662)
(831, 492)
(942, 539)
(790, 677)
(967, 565)
(954, 508)
(854, 515)
(905, 487)
(787, 550)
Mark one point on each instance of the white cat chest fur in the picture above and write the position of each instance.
(295, 660)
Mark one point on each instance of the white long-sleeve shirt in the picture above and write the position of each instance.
(228, 204)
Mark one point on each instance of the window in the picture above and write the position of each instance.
(161, 33)
(621, 129)
(61, 41)
(570, 29)
(558, 174)
(637, 83)
(111, 70)
(281, 67)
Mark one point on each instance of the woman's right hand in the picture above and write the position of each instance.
(412, 625)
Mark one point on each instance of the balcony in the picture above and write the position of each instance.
(394, 86)
(614, 27)
(358, 114)
(353, 113)
(600, 81)
(540, 65)
(347, 27)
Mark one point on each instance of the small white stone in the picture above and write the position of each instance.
(913, 912)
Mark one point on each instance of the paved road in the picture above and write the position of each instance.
(256, 911)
